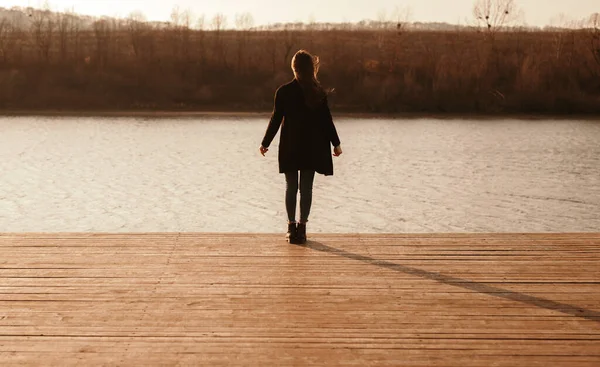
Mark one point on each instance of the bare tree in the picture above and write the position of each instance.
(201, 44)
(312, 22)
(402, 16)
(185, 19)
(563, 29)
(594, 30)
(63, 22)
(271, 46)
(289, 40)
(174, 31)
(179, 36)
(6, 29)
(75, 35)
(382, 18)
(243, 23)
(136, 28)
(175, 17)
(219, 22)
(201, 22)
(102, 34)
(42, 24)
(495, 14)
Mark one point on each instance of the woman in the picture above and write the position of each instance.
(306, 135)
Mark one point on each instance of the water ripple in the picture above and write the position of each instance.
(136, 175)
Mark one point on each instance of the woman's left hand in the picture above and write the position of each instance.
(337, 151)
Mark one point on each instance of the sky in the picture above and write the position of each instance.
(537, 12)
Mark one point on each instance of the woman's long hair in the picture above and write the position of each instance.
(306, 68)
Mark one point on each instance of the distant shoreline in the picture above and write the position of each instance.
(266, 115)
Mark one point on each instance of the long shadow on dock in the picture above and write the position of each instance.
(463, 283)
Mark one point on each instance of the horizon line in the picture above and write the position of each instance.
(582, 23)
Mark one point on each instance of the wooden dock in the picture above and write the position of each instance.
(340, 300)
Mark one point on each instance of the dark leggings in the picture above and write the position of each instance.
(291, 193)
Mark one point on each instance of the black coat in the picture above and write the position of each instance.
(306, 135)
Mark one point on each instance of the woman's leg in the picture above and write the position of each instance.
(291, 194)
(306, 186)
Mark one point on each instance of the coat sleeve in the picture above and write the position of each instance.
(330, 129)
(276, 119)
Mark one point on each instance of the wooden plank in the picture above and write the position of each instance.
(240, 299)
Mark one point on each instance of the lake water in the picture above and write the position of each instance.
(206, 175)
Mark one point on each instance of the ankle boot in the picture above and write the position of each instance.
(292, 233)
(301, 233)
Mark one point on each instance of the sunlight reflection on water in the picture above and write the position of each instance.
(206, 175)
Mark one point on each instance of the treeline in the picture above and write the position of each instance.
(54, 61)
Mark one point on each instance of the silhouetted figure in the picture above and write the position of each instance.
(306, 137)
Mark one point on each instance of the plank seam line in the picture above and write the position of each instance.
(161, 277)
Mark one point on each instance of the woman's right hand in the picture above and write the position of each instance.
(337, 151)
(263, 150)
